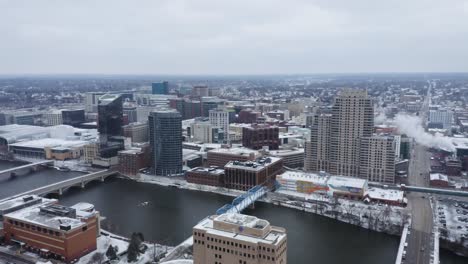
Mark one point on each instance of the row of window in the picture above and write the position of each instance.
(34, 228)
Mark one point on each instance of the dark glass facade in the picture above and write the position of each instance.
(110, 122)
(166, 142)
(73, 117)
(160, 88)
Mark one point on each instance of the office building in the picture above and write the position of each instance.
(110, 122)
(165, 133)
(53, 230)
(160, 88)
(258, 136)
(292, 158)
(222, 156)
(245, 175)
(92, 101)
(52, 118)
(248, 116)
(73, 117)
(220, 118)
(238, 239)
(200, 91)
(132, 160)
(205, 132)
(131, 112)
(441, 117)
(138, 132)
(207, 176)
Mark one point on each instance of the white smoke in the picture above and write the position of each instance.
(412, 127)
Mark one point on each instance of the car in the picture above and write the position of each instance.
(422, 249)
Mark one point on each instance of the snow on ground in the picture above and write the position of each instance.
(452, 219)
(379, 217)
(181, 183)
(103, 243)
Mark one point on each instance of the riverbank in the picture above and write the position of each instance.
(380, 218)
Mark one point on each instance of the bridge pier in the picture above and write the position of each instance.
(252, 206)
(82, 185)
(102, 178)
(60, 191)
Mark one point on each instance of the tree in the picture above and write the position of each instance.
(111, 252)
(96, 258)
(134, 246)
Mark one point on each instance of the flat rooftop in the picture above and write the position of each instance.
(50, 142)
(274, 237)
(235, 151)
(303, 176)
(33, 215)
(385, 194)
(215, 171)
(347, 181)
(257, 165)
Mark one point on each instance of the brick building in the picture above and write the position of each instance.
(257, 136)
(53, 230)
(220, 157)
(131, 161)
(245, 175)
(206, 176)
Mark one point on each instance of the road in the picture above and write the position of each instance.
(419, 240)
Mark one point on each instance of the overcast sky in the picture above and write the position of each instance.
(232, 36)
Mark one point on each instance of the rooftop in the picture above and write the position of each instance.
(211, 170)
(385, 194)
(34, 215)
(347, 181)
(257, 165)
(50, 142)
(273, 237)
(438, 176)
(302, 176)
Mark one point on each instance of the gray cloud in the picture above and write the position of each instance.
(232, 36)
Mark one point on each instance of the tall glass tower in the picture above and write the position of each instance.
(166, 142)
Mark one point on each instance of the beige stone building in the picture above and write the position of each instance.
(343, 142)
(238, 239)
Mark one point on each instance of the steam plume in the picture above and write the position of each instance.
(412, 127)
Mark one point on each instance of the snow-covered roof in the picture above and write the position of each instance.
(385, 194)
(33, 215)
(50, 142)
(257, 165)
(347, 181)
(438, 177)
(303, 176)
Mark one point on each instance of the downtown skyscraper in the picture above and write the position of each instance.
(342, 142)
(165, 134)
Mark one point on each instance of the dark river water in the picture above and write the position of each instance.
(171, 213)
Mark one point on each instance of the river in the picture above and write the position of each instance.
(171, 213)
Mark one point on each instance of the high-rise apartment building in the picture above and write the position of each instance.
(220, 118)
(377, 159)
(342, 142)
(110, 121)
(238, 239)
(165, 133)
(318, 148)
(352, 119)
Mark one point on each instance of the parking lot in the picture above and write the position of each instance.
(452, 219)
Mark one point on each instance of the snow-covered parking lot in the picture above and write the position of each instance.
(452, 219)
